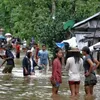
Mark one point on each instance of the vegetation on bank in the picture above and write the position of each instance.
(43, 19)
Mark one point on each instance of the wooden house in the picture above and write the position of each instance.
(88, 31)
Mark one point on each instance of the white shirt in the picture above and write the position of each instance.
(74, 69)
(31, 64)
(33, 51)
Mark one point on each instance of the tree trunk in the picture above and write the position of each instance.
(53, 9)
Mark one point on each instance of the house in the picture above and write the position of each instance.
(88, 31)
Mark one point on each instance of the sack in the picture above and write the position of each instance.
(91, 79)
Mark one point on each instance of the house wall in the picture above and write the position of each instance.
(81, 44)
(90, 26)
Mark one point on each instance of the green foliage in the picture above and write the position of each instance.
(27, 18)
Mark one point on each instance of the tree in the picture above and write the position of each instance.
(33, 18)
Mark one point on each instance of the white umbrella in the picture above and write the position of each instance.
(8, 34)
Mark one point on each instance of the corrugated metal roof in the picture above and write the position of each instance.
(81, 22)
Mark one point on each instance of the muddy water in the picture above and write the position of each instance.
(37, 87)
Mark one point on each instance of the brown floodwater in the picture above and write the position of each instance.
(37, 87)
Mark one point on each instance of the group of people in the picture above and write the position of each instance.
(74, 64)
(35, 57)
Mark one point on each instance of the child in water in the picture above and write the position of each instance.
(56, 78)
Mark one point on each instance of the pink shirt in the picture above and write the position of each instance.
(56, 71)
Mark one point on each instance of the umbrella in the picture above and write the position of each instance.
(8, 34)
(60, 45)
(69, 24)
(2, 37)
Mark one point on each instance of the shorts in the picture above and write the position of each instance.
(55, 84)
(90, 80)
(74, 82)
(8, 69)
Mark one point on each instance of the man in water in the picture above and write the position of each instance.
(44, 57)
(9, 58)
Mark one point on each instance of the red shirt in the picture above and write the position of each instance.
(56, 71)
(17, 48)
(37, 50)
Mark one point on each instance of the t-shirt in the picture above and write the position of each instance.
(18, 48)
(11, 60)
(86, 64)
(43, 55)
(74, 68)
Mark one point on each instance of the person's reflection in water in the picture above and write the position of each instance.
(28, 80)
(8, 77)
(74, 98)
(89, 98)
(56, 97)
(59, 97)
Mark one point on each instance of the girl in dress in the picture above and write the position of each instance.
(56, 78)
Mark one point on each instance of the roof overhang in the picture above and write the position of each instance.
(81, 22)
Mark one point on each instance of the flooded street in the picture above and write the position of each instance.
(37, 87)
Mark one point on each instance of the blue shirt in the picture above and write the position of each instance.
(43, 55)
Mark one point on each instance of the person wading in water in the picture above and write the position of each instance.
(90, 64)
(9, 58)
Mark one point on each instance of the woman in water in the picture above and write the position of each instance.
(28, 64)
(90, 64)
(74, 65)
(56, 78)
